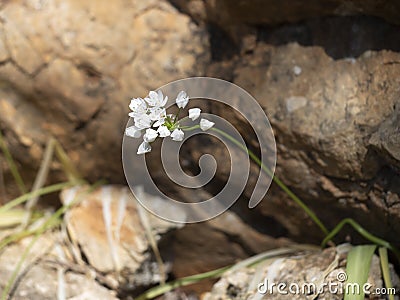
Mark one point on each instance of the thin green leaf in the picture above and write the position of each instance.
(385, 271)
(12, 218)
(39, 180)
(13, 167)
(169, 286)
(357, 270)
(68, 167)
(369, 236)
(161, 289)
(10, 282)
(43, 191)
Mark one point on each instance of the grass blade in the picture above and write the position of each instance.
(169, 286)
(364, 233)
(43, 191)
(385, 271)
(357, 270)
(13, 167)
(274, 253)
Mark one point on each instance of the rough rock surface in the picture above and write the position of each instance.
(302, 276)
(41, 271)
(336, 130)
(102, 249)
(69, 68)
(108, 218)
(255, 12)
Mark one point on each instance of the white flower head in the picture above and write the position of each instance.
(144, 148)
(156, 99)
(194, 113)
(142, 121)
(177, 135)
(205, 124)
(182, 99)
(157, 113)
(150, 135)
(159, 122)
(163, 131)
(133, 131)
(138, 107)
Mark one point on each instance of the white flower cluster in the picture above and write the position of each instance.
(150, 116)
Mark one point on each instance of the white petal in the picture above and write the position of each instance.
(152, 99)
(161, 100)
(150, 135)
(142, 121)
(205, 124)
(159, 122)
(133, 131)
(144, 148)
(137, 104)
(194, 113)
(163, 131)
(177, 135)
(156, 99)
(164, 101)
(182, 99)
(157, 113)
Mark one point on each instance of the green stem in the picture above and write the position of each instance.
(374, 239)
(297, 200)
(160, 290)
(13, 167)
(177, 114)
(15, 273)
(189, 128)
(292, 195)
(386, 271)
(43, 191)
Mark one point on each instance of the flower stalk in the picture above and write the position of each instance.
(150, 112)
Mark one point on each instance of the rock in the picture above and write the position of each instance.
(300, 276)
(69, 70)
(257, 12)
(387, 138)
(41, 269)
(102, 249)
(217, 243)
(108, 219)
(329, 123)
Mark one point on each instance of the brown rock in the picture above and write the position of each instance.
(256, 12)
(44, 274)
(76, 69)
(324, 118)
(107, 229)
(311, 273)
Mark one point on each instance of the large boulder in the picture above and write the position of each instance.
(337, 131)
(69, 68)
(262, 12)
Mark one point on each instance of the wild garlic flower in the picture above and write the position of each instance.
(177, 135)
(150, 116)
(150, 135)
(144, 148)
(194, 113)
(163, 131)
(205, 124)
(182, 99)
(138, 107)
(156, 99)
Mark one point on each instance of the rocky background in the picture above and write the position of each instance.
(326, 73)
